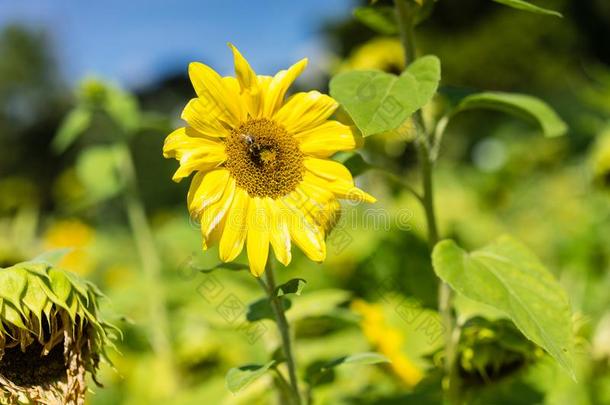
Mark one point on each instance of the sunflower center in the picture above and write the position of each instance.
(264, 159)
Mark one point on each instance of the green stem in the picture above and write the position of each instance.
(405, 10)
(284, 329)
(151, 263)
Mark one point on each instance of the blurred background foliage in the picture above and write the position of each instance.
(496, 175)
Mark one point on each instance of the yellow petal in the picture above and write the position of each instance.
(279, 235)
(335, 177)
(326, 139)
(211, 88)
(245, 75)
(305, 233)
(258, 236)
(279, 85)
(234, 232)
(206, 117)
(206, 189)
(305, 111)
(213, 219)
(193, 150)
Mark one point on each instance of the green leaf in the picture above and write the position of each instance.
(525, 6)
(379, 101)
(228, 266)
(508, 277)
(294, 286)
(123, 108)
(239, 377)
(73, 125)
(261, 309)
(96, 168)
(520, 105)
(360, 358)
(322, 372)
(381, 19)
(357, 165)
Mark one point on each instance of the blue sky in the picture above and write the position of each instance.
(136, 41)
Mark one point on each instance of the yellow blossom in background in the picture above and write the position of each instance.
(388, 340)
(262, 173)
(384, 54)
(75, 234)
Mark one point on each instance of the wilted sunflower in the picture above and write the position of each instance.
(262, 170)
(50, 335)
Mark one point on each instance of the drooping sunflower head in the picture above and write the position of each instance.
(50, 335)
(262, 170)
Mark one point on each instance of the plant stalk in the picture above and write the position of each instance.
(151, 263)
(284, 329)
(405, 10)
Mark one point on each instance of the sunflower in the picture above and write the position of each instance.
(51, 335)
(262, 173)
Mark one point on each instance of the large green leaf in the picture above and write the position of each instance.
(520, 105)
(239, 377)
(525, 6)
(511, 279)
(379, 101)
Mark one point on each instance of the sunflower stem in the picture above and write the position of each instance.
(284, 329)
(406, 11)
(151, 263)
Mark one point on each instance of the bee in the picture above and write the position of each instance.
(253, 148)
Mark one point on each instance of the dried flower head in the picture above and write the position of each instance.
(50, 335)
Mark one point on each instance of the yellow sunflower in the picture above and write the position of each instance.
(262, 173)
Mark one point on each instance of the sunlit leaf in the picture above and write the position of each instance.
(381, 19)
(525, 6)
(239, 377)
(73, 125)
(511, 279)
(521, 105)
(378, 101)
(96, 168)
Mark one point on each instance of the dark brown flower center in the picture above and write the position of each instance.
(264, 159)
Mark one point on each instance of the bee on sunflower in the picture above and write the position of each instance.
(262, 170)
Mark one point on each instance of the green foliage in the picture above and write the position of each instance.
(294, 286)
(74, 124)
(97, 169)
(525, 6)
(239, 377)
(379, 101)
(261, 309)
(323, 372)
(508, 277)
(520, 105)
(381, 19)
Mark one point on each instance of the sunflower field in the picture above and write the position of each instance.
(343, 202)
